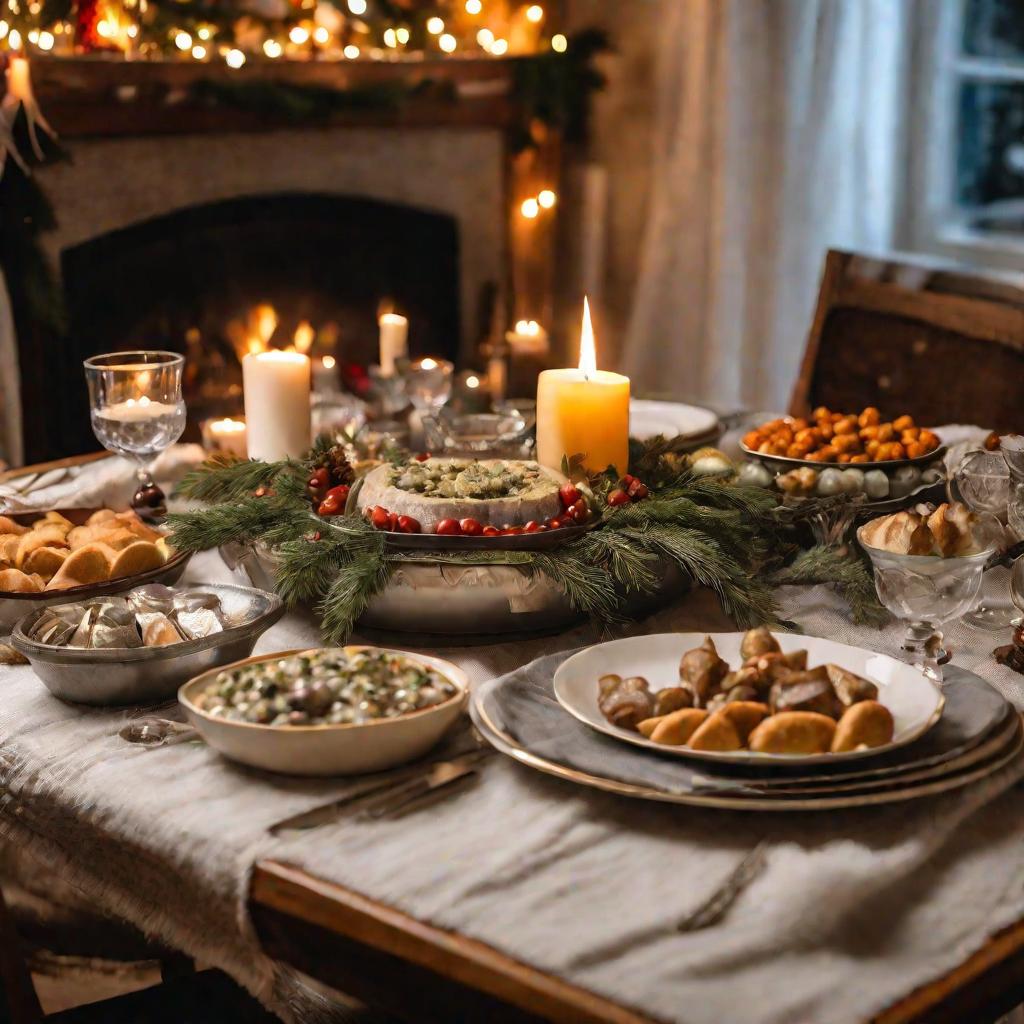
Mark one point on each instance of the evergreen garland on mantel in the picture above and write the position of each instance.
(720, 534)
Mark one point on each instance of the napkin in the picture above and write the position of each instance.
(109, 482)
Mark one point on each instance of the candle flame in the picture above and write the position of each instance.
(428, 364)
(329, 362)
(472, 381)
(304, 336)
(588, 356)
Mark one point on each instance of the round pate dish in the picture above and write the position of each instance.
(494, 492)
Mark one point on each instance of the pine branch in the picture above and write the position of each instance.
(632, 567)
(249, 519)
(589, 588)
(846, 572)
(225, 479)
(358, 580)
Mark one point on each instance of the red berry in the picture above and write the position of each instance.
(569, 494)
(491, 531)
(320, 477)
(618, 497)
(340, 494)
(512, 531)
(638, 491)
(470, 527)
(380, 517)
(330, 506)
(406, 524)
(626, 481)
(422, 457)
(448, 528)
(392, 521)
(554, 523)
(543, 528)
(580, 512)
(531, 527)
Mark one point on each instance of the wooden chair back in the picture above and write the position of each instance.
(942, 343)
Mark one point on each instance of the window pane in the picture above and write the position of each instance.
(994, 28)
(990, 158)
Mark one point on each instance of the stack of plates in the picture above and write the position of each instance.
(976, 734)
(691, 424)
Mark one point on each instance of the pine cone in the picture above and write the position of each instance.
(332, 470)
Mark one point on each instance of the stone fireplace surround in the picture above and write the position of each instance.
(112, 183)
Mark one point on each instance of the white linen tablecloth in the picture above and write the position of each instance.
(853, 910)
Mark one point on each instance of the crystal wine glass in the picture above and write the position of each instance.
(428, 383)
(982, 483)
(137, 412)
(926, 591)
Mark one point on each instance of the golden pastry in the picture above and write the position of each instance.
(716, 732)
(8, 525)
(14, 581)
(794, 732)
(45, 561)
(88, 565)
(745, 715)
(675, 729)
(865, 724)
(903, 533)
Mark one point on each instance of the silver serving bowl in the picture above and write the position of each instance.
(146, 675)
(783, 462)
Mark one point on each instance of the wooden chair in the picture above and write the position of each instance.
(940, 342)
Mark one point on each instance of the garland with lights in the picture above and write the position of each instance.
(716, 532)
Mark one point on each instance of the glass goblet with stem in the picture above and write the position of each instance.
(927, 591)
(137, 412)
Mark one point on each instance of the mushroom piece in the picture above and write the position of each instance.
(806, 691)
(731, 696)
(701, 671)
(628, 703)
(850, 688)
(758, 641)
(671, 699)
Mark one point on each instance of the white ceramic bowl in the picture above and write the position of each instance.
(328, 749)
(912, 698)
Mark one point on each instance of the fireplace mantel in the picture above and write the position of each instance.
(100, 97)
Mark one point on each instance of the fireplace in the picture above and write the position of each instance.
(218, 279)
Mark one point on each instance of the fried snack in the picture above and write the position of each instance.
(757, 642)
(46, 536)
(903, 533)
(141, 556)
(745, 715)
(9, 547)
(88, 565)
(45, 561)
(56, 517)
(716, 733)
(130, 521)
(102, 515)
(648, 725)
(14, 581)
(842, 437)
(850, 688)
(675, 729)
(8, 525)
(701, 671)
(672, 698)
(793, 732)
(945, 532)
(865, 724)
(118, 539)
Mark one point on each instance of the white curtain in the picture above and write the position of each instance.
(779, 133)
(10, 398)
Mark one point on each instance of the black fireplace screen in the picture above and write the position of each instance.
(215, 280)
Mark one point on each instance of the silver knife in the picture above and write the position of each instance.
(406, 785)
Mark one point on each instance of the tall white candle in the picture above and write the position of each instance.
(277, 404)
(394, 337)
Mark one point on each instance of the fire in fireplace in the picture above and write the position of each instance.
(218, 280)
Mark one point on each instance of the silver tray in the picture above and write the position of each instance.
(785, 460)
(14, 606)
(146, 675)
(467, 602)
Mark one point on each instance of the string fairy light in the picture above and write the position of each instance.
(403, 34)
(474, 6)
(234, 58)
(447, 43)
(485, 37)
(435, 26)
(499, 47)
(351, 51)
(546, 198)
(559, 43)
(535, 13)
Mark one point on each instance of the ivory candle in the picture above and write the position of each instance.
(226, 435)
(583, 412)
(394, 337)
(277, 405)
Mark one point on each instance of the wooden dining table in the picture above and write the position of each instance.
(423, 974)
(408, 967)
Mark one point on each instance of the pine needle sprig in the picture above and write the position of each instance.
(357, 581)
(589, 588)
(224, 479)
(632, 567)
(306, 568)
(839, 568)
(242, 521)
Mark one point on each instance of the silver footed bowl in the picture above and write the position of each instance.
(147, 675)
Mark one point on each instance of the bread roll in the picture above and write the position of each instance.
(45, 561)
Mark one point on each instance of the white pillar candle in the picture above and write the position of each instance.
(394, 337)
(277, 404)
(226, 436)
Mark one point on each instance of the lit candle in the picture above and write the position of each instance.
(277, 405)
(394, 336)
(226, 436)
(137, 411)
(583, 412)
(325, 375)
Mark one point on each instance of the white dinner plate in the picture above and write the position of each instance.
(648, 418)
(915, 702)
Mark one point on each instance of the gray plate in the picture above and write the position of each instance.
(146, 675)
